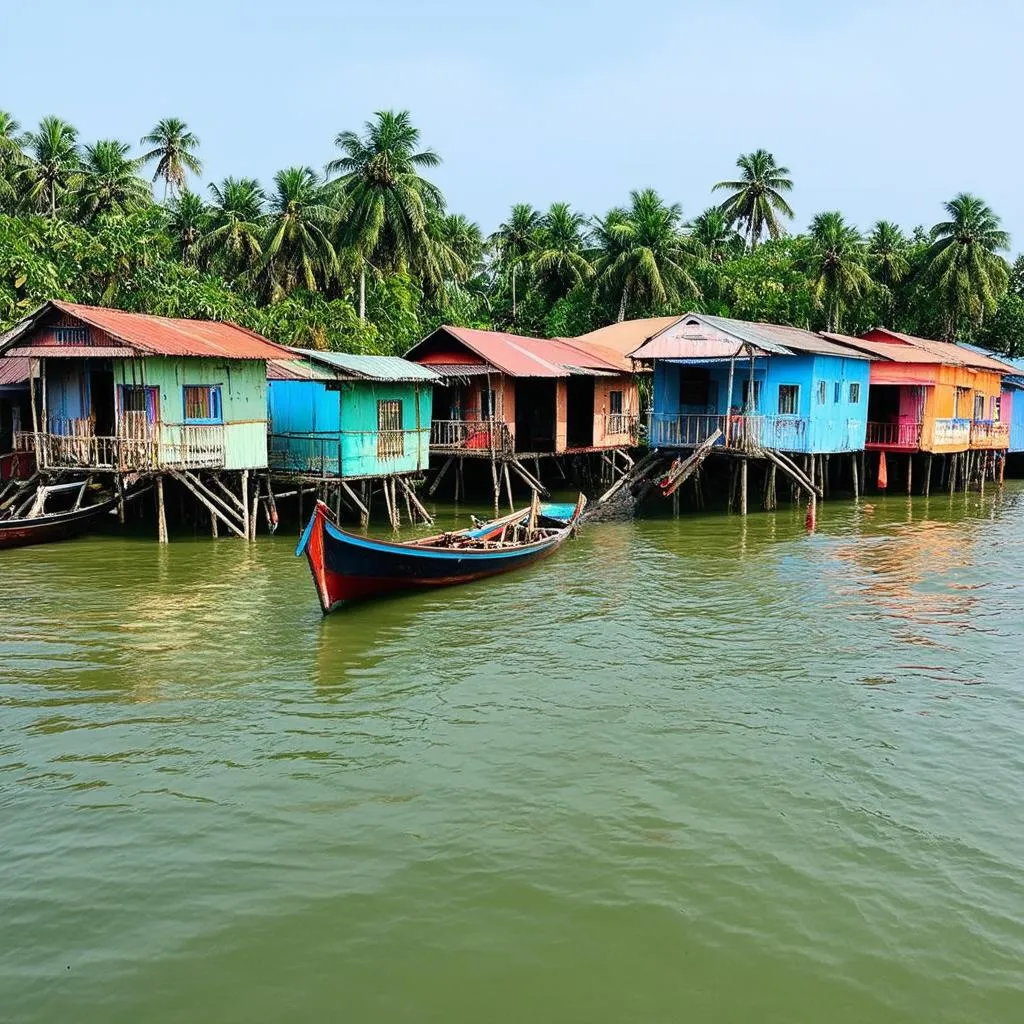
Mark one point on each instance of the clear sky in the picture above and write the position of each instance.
(880, 108)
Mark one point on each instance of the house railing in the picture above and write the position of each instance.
(951, 433)
(893, 435)
(788, 433)
(990, 434)
(70, 444)
(622, 424)
(471, 435)
(347, 452)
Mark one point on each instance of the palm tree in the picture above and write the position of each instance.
(836, 266)
(646, 260)
(110, 181)
(297, 250)
(714, 237)
(54, 164)
(560, 258)
(187, 224)
(888, 260)
(12, 158)
(757, 195)
(963, 261)
(173, 150)
(236, 222)
(383, 202)
(515, 242)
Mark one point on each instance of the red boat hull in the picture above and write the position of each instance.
(46, 529)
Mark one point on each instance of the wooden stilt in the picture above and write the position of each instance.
(508, 489)
(771, 497)
(496, 486)
(910, 474)
(161, 512)
(743, 486)
(854, 477)
(411, 496)
(245, 503)
(387, 505)
(734, 476)
(928, 475)
(214, 532)
(337, 503)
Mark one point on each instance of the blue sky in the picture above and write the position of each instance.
(880, 109)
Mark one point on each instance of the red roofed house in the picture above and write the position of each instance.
(130, 394)
(14, 416)
(544, 396)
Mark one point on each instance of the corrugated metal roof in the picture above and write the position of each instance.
(77, 352)
(14, 370)
(947, 352)
(628, 336)
(387, 368)
(159, 335)
(460, 369)
(885, 350)
(519, 356)
(297, 369)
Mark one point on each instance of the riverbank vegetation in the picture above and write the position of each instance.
(366, 255)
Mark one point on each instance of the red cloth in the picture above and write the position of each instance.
(883, 473)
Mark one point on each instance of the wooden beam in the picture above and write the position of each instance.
(207, 499)
(161, 513)
(432, 489)
(411, 495)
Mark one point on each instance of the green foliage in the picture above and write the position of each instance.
(369, 259)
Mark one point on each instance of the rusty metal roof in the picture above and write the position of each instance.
(519, 356)
(946, 351)
(14, 371)
(891, 351)
(156, 335)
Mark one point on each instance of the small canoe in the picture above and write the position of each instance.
(348, 567)
(42, 529)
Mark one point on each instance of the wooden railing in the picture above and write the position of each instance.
(177, 445)
(788, 433)
(950, 433)
(893, 435)
(990, 434)
(622, 424)
(337, 453)
(471, 435)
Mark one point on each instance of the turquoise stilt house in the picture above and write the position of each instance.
(757, 385)
(339, 418)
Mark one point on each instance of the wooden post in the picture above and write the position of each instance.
(967, 470)
(245, 503)
(951, 476)
(387, 505)
(161, 514)
(119, 484)
(497, 486)
(743, 482)
(508, 488)
(910, 474)
(864, 469)
(255, 506)
(772, 501)
(853, 473)
(302, 525)
(928, 475)
(734, 472)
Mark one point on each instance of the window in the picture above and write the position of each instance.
(822, 392)
(71, 335)
(139, 404)
(855, 393)
(616, 422)
(202, 403)
(615, 402)
(751, 404)
(960, 402)
(487, 403)
(997, 409)
(979, 407)
(390, 439)
(837, 393)
(789, 399)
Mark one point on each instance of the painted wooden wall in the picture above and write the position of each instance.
(334, 432)
(603, 387)
(837, 424)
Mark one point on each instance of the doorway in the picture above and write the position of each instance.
(535, 415)
(580, 412)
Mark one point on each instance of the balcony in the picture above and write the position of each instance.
(349, 453)
(471, 437)
(951, 433)
(742, 433)
(990, 434)
(621, 426)
(894, 436)
(162, 446)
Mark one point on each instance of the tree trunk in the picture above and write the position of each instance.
(513, 291)
(362, 289)
(622, 303)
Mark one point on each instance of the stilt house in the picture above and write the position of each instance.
(754, 386)
(127, 395)
(932, 396)
(352, 423)
(512, 398)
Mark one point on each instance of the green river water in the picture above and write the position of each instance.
(695, 770)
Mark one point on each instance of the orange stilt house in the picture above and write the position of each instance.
(931, 396)
(517, 400)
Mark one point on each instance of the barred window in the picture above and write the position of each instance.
(789, 398)
(822, 392)
(71, 335)
(855, 393)
(390, 438)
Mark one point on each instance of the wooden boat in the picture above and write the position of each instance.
(42, 527)
(348, 567)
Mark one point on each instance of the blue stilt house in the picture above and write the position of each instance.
(352, 417)
(760, 385)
